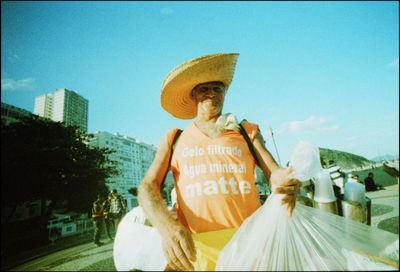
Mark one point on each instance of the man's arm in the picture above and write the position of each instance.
(281, 182)
(266, 161)
(178, 245)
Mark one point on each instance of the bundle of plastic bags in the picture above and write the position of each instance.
(137, 246)
(311, 239)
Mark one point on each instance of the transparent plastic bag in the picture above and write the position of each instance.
(305, 161)
(323, 188)
(137, 246)
(311, 239)
(355, 192)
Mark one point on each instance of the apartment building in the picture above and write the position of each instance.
(44, 105)
(63, 106)
(133, 158)
(11, 114)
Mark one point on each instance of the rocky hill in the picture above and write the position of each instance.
(343, 159)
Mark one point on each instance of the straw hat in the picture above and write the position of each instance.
(176, 89)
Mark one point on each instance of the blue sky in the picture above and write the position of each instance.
(325, 72)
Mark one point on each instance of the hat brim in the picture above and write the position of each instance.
(177, 86)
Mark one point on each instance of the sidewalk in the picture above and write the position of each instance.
(385, 208)
(84, 257)
(23, 257)
(78, 253)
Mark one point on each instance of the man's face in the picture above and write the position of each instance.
(210, 96)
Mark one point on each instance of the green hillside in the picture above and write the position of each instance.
(380, 176)
(343, 159)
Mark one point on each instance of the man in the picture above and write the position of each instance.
(108, 220)
(351, 178)
(97, 215)
(212, 165)
(357, 179)
(370, 183)
(117, 208)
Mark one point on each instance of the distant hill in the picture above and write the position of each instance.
(386, 157)
(343, 159)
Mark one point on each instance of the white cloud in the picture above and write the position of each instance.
(352, 138)
(13, 58)
(12, 84)
(282, 128)
(167, 10)
(332, 128)
(310, 123)
(395, 63)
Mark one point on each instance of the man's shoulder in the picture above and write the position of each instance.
(250, 128)
(171, 135)
(246, 123)
(172, 131)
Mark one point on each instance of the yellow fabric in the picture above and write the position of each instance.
(208, 246)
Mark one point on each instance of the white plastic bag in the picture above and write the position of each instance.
(311, 239)
(355, 192)
(323, 188)
(137, 246)
(305, 161)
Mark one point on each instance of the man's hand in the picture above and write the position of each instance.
(283, 183)
(177, 243)
(178, 247)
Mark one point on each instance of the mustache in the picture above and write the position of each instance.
(211, 97)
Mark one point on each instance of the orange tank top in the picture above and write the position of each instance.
(214, 179)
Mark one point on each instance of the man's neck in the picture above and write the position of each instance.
(207, 117)
(207, 124)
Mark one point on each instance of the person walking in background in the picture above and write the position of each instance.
(97, 215)
(117, 208)
(107, 216)
(174, 205)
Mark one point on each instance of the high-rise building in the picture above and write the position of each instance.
(133, 159)
(44, 105)
(63, 106)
